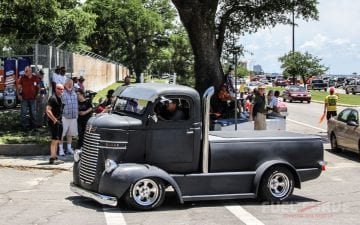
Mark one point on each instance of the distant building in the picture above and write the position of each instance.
(258, 69)
(243, 64)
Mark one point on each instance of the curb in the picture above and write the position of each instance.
(24, 149)
(344, 105)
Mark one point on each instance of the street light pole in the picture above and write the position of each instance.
(293, 35)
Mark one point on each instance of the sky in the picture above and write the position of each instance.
(334, 38)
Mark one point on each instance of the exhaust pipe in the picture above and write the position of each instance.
(206, 126)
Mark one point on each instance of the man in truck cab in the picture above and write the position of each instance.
(170, 110)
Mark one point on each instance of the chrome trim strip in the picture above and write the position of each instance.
(220, 196)
(116, 142)
(102, 199)
(118, 148)
(215, 174)
(307, 169)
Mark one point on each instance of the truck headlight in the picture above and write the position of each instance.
(77, 155)
(110, 165)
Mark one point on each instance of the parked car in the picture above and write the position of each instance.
(339, 81)
(317, 84)
(352, 87)
(296, 93)
(292, 81)
(279, 82)
(251, 86)
(344, 131)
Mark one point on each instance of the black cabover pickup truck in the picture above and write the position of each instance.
(140, 148)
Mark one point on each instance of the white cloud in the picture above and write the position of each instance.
(334, 38)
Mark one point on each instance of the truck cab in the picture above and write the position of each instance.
(135, 153)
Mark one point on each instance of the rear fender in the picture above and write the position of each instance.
(266, 165)
(118, 182)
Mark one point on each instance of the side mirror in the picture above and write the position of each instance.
(352, 123)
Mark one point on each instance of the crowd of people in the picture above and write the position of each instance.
(64, 108)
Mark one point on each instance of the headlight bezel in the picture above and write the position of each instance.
(110, 165)
(77, 155)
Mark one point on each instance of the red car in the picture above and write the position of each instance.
(280, 82)
(296, 93)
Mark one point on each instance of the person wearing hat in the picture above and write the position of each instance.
(258, 109)
(81, 83)
(330, 104)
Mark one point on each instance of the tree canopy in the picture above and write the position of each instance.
(23, 22)
(130, 31)
(300, 64)
(210, 23)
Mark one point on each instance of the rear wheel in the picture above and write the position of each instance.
(146, 194)
(277, 184)
(334, 144)
(353, 92)
(290, 100)
(308, 102)
(301, 101)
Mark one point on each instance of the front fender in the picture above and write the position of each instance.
(118, 182)
(266, 165)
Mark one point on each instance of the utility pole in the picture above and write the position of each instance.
(293, 36)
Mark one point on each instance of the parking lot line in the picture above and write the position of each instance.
(304, 124)
(114, 216)
(243, 215)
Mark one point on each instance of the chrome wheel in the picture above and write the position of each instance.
(279, 185)
(145, 192)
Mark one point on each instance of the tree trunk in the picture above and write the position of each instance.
(198, 17)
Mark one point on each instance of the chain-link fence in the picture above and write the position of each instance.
(46, 56)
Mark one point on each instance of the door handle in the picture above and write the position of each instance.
(191, 130)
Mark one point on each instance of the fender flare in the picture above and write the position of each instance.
(119, 181)
(266, 165)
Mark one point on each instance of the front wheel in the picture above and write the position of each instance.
(334, 144)
(146, 194)
(277, 184)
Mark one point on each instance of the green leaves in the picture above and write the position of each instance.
(301, 64)
(23, 22)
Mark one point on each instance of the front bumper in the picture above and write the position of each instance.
(102, 199)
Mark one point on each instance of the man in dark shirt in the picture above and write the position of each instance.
(258, 109)
(85, 112)
(171, 111)
(54, 110)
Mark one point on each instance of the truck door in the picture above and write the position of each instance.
(173, 142)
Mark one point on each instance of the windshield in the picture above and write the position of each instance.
(130, 105)
(298, 89)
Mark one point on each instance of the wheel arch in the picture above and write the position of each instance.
(119, 181)
(267, 165)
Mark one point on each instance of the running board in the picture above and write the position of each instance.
(218, 197)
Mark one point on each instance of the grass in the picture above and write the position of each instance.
(11, 132)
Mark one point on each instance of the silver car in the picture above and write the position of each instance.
(344, 131)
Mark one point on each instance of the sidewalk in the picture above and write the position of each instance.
(36, 162)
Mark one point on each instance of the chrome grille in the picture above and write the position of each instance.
(89, 157)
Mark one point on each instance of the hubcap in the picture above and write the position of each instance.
(145, 192)
(279, 185)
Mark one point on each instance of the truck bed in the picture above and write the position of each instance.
(246, 150)
(246, 135)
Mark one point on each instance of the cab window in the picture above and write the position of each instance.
(172, 109)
